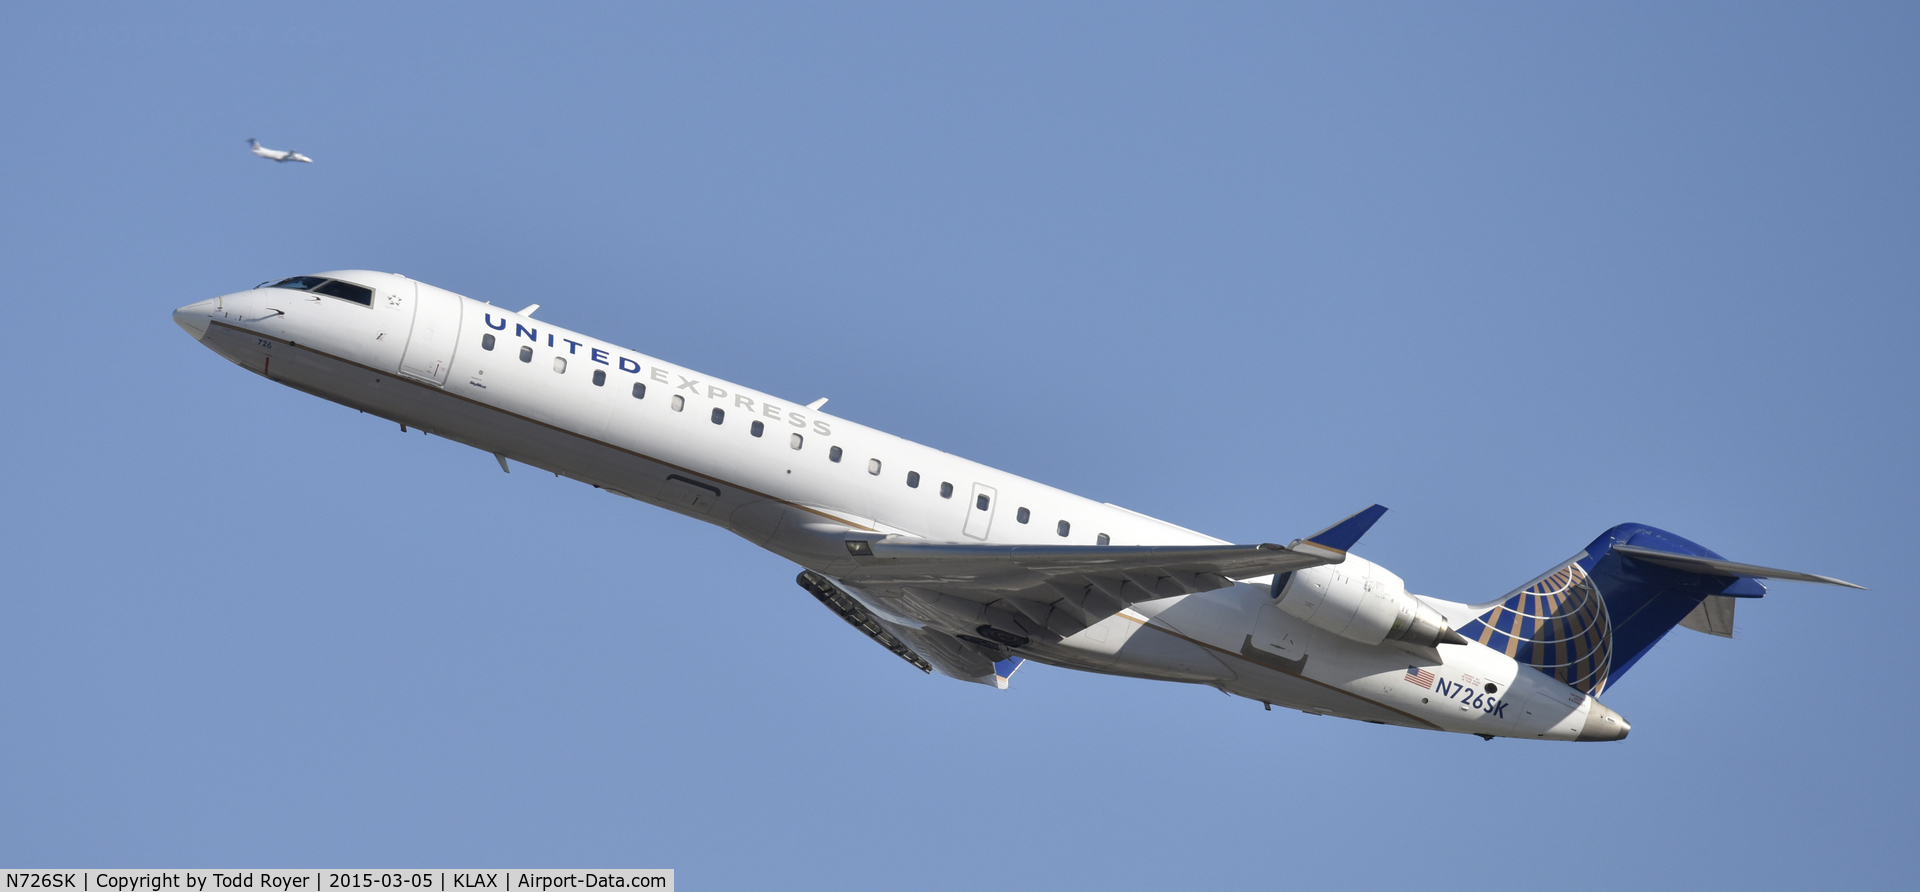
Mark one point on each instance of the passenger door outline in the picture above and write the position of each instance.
(436, 328)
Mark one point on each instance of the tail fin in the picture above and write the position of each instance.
(1588, 620)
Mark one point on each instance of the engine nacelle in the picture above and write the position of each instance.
(1361, 601)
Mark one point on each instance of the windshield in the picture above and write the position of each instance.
(359, 294)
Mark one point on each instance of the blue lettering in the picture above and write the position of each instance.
(576, 345)
(1500, 712)
(624, 362)
(531, 333)
(1479, 700)
(549, 340)
(501, 327)
(600, 356)
(1443, 687)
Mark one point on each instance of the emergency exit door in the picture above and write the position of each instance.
(980, 511)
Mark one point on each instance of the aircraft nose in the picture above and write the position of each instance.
(194, 318)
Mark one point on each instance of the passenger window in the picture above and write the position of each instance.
(639, 391)
(719, 415)
(759, 428)
(946, 490)
(1064, 528)
(1023, 515)
(795, 441)
(981, 502)
(486, 342)
(833, 455)
(560, 364)
(526, 354)
(873, 466)
(679, 402)
(599, 378)
(913, 479)
(1103, 540)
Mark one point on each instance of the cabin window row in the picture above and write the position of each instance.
(794, 441)
(835, 454)
(488, 342)
(679, 403)
(982, 501)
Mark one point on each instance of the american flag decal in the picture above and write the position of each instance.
(1419, 676)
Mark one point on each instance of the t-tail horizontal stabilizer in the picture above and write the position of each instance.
(1714, 567)
(1714, 616)
(1335, 541)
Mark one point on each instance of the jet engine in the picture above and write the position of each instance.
(1363, 602)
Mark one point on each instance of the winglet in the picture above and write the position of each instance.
(1338, 539)
(1003, 671)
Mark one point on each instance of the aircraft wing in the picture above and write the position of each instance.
(958, 659)
(1052, 592)
(925, 649)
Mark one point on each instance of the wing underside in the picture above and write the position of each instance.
(925, 649)
(846, 607)
(983, 601)
(1050, 593)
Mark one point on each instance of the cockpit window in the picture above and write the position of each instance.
(347, 291)
(330, 287)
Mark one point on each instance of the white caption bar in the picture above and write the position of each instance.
(332, 880)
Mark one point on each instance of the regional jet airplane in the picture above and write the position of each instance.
(962, 569)
(276, 154)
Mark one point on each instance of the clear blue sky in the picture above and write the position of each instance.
(1519, 272)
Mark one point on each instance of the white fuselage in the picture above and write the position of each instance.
(792, 479)
(276, 154)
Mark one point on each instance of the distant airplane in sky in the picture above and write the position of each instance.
(276, 154)
(961, 568)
